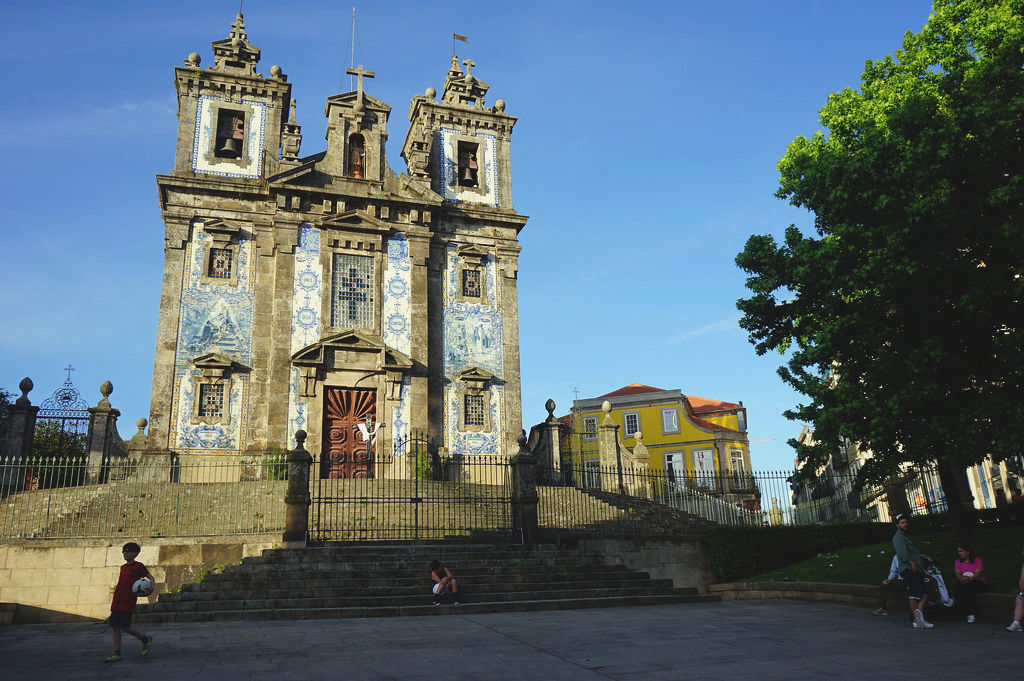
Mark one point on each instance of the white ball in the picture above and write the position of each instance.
(142, 587)
(967, 574)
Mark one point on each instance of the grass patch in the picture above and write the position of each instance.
(999, 547)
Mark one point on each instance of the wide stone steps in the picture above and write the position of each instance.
(392, 580)
(418, 590)
(417, 610)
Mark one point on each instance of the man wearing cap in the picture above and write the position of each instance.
(912, 570)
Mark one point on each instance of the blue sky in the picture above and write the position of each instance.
(645, 155)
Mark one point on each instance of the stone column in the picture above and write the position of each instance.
(102, 423)
(609, 449)
(16, 440)
(524, 492)
(296, 500)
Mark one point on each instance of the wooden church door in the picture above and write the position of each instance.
(347, 454)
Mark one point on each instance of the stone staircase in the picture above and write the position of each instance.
(388, 580)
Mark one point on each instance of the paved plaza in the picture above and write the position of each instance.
(756, 640)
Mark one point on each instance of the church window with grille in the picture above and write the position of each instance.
(219, 266)
(471, 284)
(352, 292)
(211, 400)
(474, 410)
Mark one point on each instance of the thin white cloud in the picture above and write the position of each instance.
(70, 124)
(730, 324)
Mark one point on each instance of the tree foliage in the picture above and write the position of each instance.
(901, 316)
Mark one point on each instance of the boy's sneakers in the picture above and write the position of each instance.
(146, 645)
(116, 657)
(970, 619)
(949, 603)
(1014, 626)
(879, 611)
(436, 602)
(919, 622)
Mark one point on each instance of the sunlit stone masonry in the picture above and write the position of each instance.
(325, 292)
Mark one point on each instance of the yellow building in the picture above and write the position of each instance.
(699, 441)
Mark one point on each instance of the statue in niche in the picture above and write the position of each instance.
(356, 156)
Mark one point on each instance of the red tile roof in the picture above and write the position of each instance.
(566, 420)
(633, 389)
(703, 404)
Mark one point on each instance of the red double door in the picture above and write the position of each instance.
(346, 453)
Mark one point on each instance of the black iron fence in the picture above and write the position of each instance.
(586, 496)
(411, 492)
(143, 497)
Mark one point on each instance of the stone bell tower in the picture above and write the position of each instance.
(325, 292)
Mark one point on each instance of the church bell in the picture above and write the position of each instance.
(232, 148)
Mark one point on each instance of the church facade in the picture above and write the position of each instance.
(326, 292)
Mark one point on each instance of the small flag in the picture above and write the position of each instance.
(456, 36)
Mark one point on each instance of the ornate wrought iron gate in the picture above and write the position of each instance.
(411, 492)
(59, 446)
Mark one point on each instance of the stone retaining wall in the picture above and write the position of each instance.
(73, 580)
(684, 562)
(991, 607)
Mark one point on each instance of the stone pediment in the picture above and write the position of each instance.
(213, 364)
(473, 254)
(357, 220)
(307, 167)
(357, 349)
(349, 99)
(475, 376)
(218, 226)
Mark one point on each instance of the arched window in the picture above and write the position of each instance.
(356, 156)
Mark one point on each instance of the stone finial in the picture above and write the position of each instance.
(142, 423)
(639, 437)
(275, 71)
(499, 105)
(291, 112)
(193, 60)
(300, 438)
(455, 64)
(430, 92)
(106, 387)
(550, 406)
(25, 387)
(606, 406)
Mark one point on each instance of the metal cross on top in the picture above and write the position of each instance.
(69, 369)
(359, 73)
(469, 64)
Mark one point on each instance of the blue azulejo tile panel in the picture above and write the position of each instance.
(452, 282)
(472, 337)
(400, 419)
(396, 323)
(448, 145)
(472, 443)
(205, 131)
(396, 326)
(201, 437)
(307, 306)
(213, 318)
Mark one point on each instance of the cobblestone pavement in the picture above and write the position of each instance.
(757, 640)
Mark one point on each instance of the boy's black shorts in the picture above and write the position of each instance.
(120, 619)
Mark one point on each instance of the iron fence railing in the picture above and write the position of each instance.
(167, 496)
(412, 493)
(731, 497)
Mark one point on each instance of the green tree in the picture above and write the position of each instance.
(901, 316)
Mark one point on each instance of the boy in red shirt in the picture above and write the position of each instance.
(123, 604)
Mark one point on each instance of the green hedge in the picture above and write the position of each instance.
(735, 552)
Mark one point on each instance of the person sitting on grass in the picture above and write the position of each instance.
(444, 583)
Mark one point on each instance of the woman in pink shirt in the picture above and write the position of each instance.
(970, 576)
